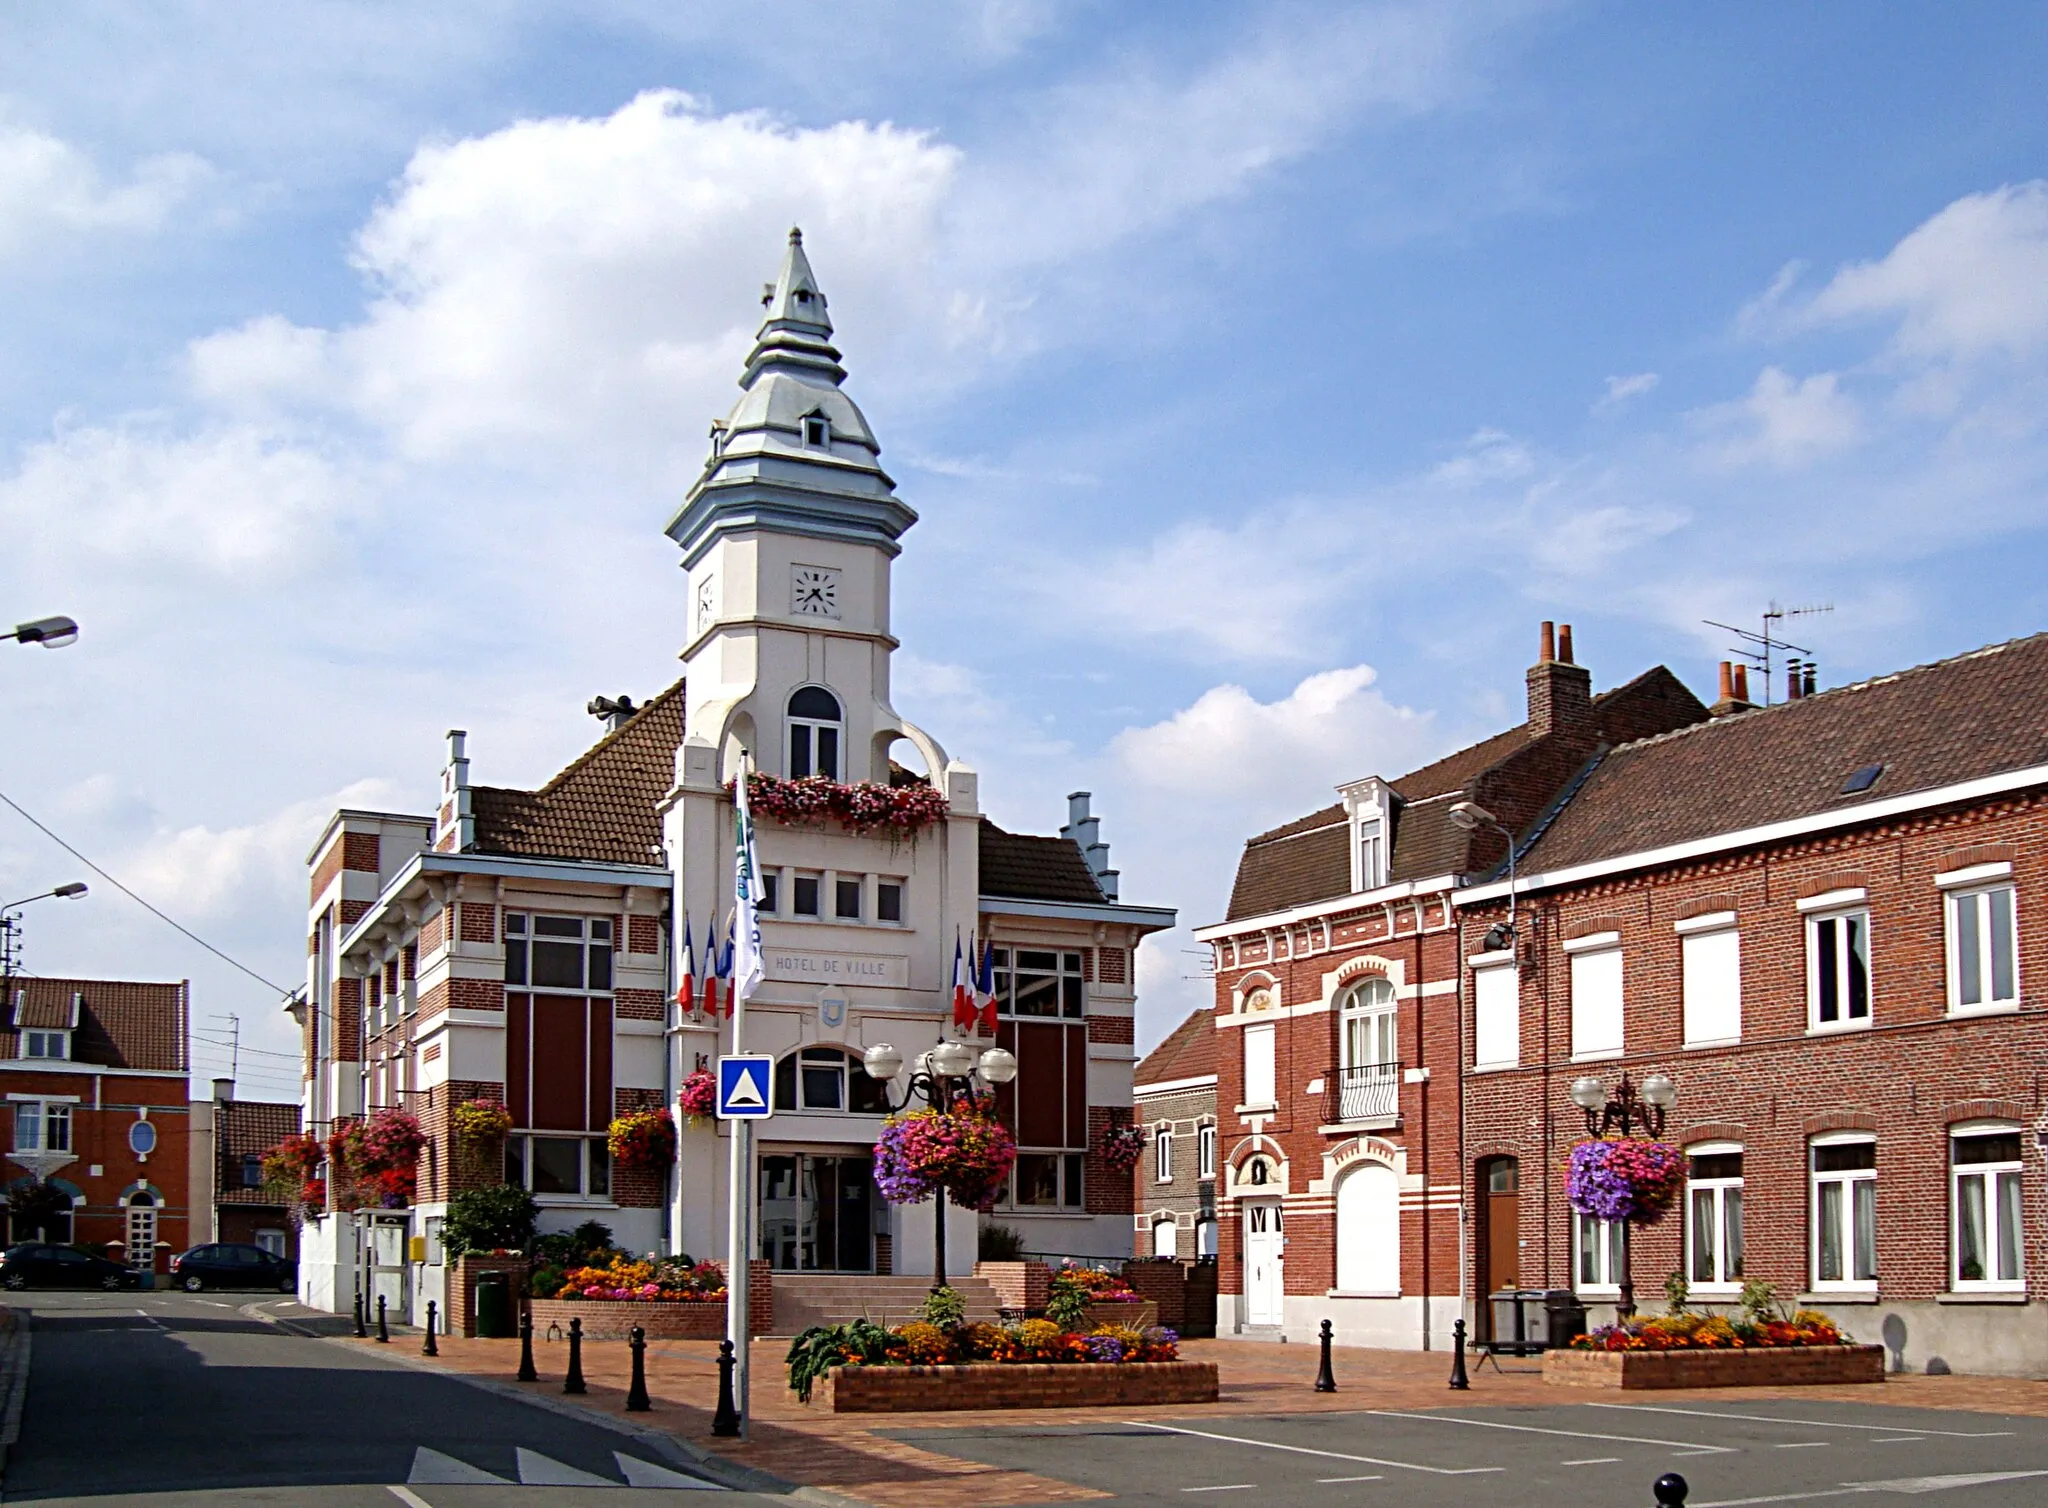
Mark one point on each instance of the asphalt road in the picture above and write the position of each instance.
(1571, 1456)
(169, 1400)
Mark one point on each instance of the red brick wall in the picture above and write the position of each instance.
(638, 1188)
(1107, 1191)
(1117, 1029)
(479, 922)
(639, 1005)
(643, 934)
(1907, 1077)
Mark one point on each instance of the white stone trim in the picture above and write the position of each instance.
(1834, 900)
(1712, 921)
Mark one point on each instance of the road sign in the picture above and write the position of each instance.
(743, 1081)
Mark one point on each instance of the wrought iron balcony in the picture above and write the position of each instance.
(1368, 1092)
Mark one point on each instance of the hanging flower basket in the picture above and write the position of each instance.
(480, 1123)
(1122, 1146)
(643, 1139)
(862, 807)
(1620, 1178)
(698, 1098)
(293, 1162)
(966, 1151)
(389, 1141)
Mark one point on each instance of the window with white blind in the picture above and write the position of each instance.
(1258, 1065)
(1162, 1155)
(1596, 1001)
(1984, 1172)
(1844, 1204)
(1711, 966)
(1983, 965)
(1496, 1017)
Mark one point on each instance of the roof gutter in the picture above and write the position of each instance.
(1386, 895)
(1144, 918)
(1770, 832)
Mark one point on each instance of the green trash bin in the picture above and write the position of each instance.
(494, 1307)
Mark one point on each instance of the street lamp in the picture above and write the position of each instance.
(51, 633)
(1632, 1113)
(946, 1076)
(1470, 816)
(10, 921)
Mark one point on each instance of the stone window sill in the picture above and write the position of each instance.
(1364, 1123)
(1844, 1296)
(1982, 1296)
(1361, 1293)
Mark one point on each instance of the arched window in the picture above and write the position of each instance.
(1165, 1239)
(1369, 1081)
(1369, 1230)
(827, 1078)
(141, 1229)
(816, 729)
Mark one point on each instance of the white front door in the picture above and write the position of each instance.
(1262, 1262)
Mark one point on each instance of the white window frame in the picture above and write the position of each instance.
(811, 727)
(1369, 846)
(1981, 901)
(1605, 1252)
(587, 1193)
(1496, 1019)
(1174, 1238)
(1205, 1152)
(43, 1043)
(47, 1117)
(1999, 1217)
(1847, 1207)
(1705, 1019)
(1162, 1155)
(1718, 1191)
(1369, 1024)
(1263, 1037)
(1838, 963)
(1599, 949)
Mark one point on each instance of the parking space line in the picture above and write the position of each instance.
(1801, 1444)
(1592, 1461)
(1898, 1439)
(1303, 1450)
(1574, 1434)
(1224, 1487)
(1332, 1481)
(407, 1496)
(1652, 1408)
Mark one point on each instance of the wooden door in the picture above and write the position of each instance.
(1501, 1217)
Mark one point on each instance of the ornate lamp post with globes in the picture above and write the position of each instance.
(1627, 1114)
(944, 1080)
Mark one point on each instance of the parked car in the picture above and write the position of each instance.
(38, 1264)
(227, 1264)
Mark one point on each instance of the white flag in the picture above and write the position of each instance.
(746, 884)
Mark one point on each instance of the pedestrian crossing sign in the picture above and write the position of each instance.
(743, 1081)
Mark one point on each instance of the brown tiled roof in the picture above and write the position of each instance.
(1309, 859)
(602, 808)
(47, 1011)
(1979, 714)
(243, 1128)
(121, 1023)
(1189, 1052)
(1025, 867)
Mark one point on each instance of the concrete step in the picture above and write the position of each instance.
(806, 1299)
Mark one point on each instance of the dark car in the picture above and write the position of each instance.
(37, 1264)
(231, 1265)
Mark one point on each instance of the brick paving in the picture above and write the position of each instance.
(853, 1456)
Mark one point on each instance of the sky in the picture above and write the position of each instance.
(1262, 374)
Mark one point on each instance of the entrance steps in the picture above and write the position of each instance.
(803, 1299)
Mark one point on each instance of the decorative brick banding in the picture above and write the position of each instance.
(910, 1390)
(1775, 1367)
(614, 1320)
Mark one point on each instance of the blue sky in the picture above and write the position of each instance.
(1262, 374)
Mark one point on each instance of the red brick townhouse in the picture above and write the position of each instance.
(1818, 919)
(1337, 1008)
(94, 1074)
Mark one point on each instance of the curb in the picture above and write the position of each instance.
(15, 1357)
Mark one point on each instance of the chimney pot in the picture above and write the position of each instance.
(1809, 679)
(1546, 643)
(1727, 681)
(1564, 643)
(1791, 680)
(223, 1091)
(1742, 683)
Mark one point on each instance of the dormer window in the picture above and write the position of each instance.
(816, 729)
(1369, 810)
(46, 1044)
(718, 439)
(817, 431)
(1372, 853)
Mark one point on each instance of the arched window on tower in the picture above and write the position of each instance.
(816, 730)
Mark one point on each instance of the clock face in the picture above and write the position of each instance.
(814, 592)
(707, 602)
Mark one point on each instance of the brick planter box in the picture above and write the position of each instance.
(1774, 1367)
(614, 1319)
(910, 1390)
(1021, 1286)
(1132, 1316)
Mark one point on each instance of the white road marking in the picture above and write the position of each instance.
(639, 1473)
(1896, 1484)
(1652, 1408)
(1574, 1434)
(407, 1496)
(1592, 1461)
(159, 1324)
(1303, 1450)
(1800, 1444)
(1331, 1481)
(430, 1467)
(1224, 1487)
(1897, 1439)
(537, 1470)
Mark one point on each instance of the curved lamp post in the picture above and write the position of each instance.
(1470, 816)
(946, 1075)
(51, 633)
(1632, 1113)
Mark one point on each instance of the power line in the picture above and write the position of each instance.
(145, 905)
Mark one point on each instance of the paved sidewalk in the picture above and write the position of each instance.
(850, 1454)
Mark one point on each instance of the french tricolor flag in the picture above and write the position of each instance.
(985, 988)
(686, 986)
(963, 993)
(710, 971)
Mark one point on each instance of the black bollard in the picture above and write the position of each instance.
(1326, 1379)
(527, 1371)
(726, 1421)
(573, 1383)
(1671, 1490)
(427, 1346)
(361, 1332)
(637, 1401)
(1458, 1378)
(383, 1330)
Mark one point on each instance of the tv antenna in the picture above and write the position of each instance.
(1756, 648)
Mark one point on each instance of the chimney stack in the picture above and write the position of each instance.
(1560, 692)
(1742, 683)
(1734, 691)
(1084, 831)
(223, 1091)
(1792, 688)
(614, 713)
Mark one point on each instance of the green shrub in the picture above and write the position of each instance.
(945, 1308)
(490, 1219)
(998, 1243)
(823, 1347)
(546, 1281)
(1067, 1306)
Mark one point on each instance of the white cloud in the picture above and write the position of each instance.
(1784, 421)
(48, 188)
(1621, 389)
(1491, 455)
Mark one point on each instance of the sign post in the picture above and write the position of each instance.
(745, 1095)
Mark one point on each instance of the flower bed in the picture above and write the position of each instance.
(861, 807)
(921, 1346)
(1704, 1367)
(604, 1319)
(873, 1390)
(621, 1280)
(1715, 1332)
